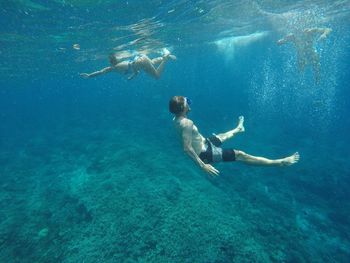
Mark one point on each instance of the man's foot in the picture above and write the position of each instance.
(240, 127)
(290, 160)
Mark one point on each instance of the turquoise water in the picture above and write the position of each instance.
(91, 170)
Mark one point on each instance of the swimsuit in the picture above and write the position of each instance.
(214, 153)
(130, 70)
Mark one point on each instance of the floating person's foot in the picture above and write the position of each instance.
(166, 54)
(172, 57)
(290, 160)
(240, 126)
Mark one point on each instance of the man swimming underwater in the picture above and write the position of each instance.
(205, 151)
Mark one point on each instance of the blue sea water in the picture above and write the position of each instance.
(91, 170)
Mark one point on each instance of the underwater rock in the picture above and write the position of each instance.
(43, 232)
(84, 213)
(97, 167)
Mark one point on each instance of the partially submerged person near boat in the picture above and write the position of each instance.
(132, 67)
(206, 151)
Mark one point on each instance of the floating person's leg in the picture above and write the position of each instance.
(157, 60)
(316, 66)
(301, 63)
(166, 53)
(146, 64)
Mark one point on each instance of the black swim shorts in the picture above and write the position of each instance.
(214, 152)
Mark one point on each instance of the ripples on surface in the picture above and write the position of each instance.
(40, 34)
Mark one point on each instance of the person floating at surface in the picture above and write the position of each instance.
(207, 151)
(304, 45)
(131, 68)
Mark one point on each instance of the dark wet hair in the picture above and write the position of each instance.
(177, 104)
(113, 59)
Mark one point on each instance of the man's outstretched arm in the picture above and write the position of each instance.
(288, 38)
(324, 33)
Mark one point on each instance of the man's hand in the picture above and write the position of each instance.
(210, 169)
(84, 75)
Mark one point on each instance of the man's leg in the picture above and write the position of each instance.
(228, 135)
(255, 160)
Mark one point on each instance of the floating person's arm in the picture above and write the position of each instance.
(288, 38)
(187, 146)
(322, 31)
(134, 73)
(97, 73)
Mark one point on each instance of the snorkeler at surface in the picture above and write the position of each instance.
(304, 45)
(131, 68)
(205, 151)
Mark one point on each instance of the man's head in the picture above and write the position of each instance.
(179, 105)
